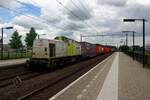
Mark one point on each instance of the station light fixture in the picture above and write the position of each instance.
(143, 20)
(1, 40)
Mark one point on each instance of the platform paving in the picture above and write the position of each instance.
(109, 90)
(134, 81)
(88, 86)
(118, 77)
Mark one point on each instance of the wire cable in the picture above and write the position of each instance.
(73, 13)
(83, 13)
(36, 19)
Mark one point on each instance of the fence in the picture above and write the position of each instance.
(15, 55)
(139, 57)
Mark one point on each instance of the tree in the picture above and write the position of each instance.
(15, 41)
(30, 37)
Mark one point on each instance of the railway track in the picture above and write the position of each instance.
(60, 78)
(9, 72)
(6, 81)
(12, 76)
(35, 83)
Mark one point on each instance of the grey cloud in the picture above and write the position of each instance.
(78, 12)
(73, 26)
(129, 11)
(112, 23)
(52, 19)
(117, 3)
(136, 11)
(12, 4)
(28, 22)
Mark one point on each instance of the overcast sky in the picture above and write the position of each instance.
(74, 17)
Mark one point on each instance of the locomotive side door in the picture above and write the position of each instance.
(52, 50)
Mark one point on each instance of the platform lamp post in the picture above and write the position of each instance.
(80, 37)
(143, 20)
(2, 30)
(133, 35)
(126, 40)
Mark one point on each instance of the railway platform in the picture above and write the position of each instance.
(118, 77)
(6, 63)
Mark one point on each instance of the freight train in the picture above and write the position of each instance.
(49, 53)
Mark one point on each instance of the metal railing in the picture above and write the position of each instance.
(139, 57)
(15, 55)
